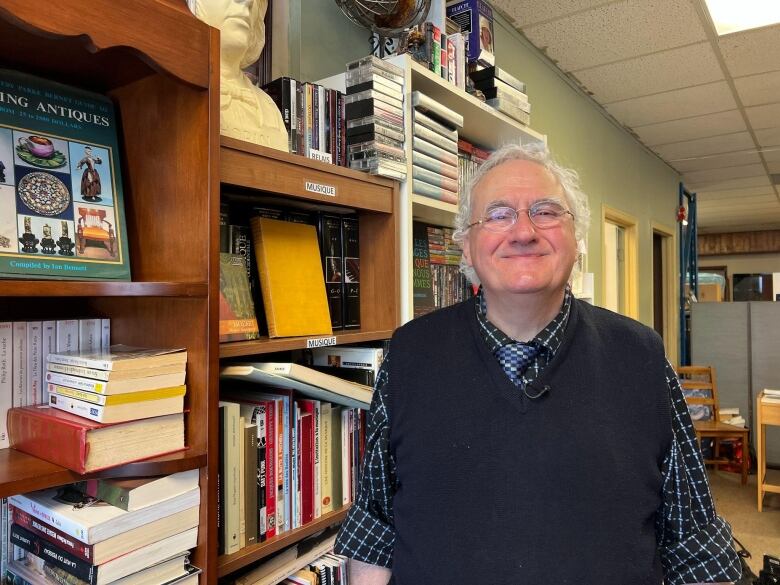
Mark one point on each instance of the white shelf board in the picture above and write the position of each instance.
(433, 211)
(482, 125)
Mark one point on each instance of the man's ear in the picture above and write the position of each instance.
(467, 249)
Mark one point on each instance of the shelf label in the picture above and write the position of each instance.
(319, 188)
(320, 342)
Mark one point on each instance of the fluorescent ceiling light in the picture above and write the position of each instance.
(732, 16)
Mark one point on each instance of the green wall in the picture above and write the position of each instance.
(615, 169)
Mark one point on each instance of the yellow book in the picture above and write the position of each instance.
(291, 278)
(113, 399)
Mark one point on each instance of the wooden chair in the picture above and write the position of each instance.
(93, 226)
(703, 378)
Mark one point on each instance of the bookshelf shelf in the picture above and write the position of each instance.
(21, 473)
(229, 563)
(266, 345)
(59, 288)
(433, 211)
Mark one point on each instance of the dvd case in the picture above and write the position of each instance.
(434, 109)
(434, 138)
(429, 163)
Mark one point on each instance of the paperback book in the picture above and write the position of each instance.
(61, 201)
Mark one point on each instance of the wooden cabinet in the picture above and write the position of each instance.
(157, 62)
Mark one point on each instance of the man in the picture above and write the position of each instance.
(525, 437)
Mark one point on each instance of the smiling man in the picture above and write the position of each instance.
(525, 436)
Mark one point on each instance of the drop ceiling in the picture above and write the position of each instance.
(707, 105)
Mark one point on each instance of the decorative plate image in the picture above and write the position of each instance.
(55, 161)
(43, 193)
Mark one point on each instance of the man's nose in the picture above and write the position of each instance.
(524, 230)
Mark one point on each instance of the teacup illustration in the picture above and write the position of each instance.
(38, 146)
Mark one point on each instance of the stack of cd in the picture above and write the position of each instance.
(375, 117)
(504, 92)
(435, 149)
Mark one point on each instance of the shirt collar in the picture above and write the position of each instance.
(548, 339)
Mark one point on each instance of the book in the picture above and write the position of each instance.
(138, 492)
(111, 570)
(250, 483)
(350, 236)
(475, 18)
(435, 110)
(115, 399)
(237, 320)
(65, 217)
(122, 358)
(116, 546)
(84, 446)
(115, 386)
(291, 278)
(229, 473)
(422, 295)
(91, 521)
(117, 413)
(329, 231)
(305, 380)
(34, 362)
(89, 335)
(485, 78)
(6, 379)
(369, 358)
(135, 376)
(357, 375)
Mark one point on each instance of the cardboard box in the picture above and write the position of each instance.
(710, 293)
(475, 18)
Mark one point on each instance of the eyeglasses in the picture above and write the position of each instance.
(543, 214)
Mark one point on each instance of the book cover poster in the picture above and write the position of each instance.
(61, 205)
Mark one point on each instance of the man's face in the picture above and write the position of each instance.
(524, 259)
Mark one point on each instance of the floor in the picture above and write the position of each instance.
(759, 532)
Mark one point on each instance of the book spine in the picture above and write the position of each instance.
(250, 483)
(307, 468)
(335, 471)
(326, 452)
(75, 382)
(67, 335)
(78, 407)
(79, 371)
(292, 92)
(6, 379)
(270, 469)
(19, 354)
(342, 130)
(345, 456)
(230, 475)
(105, 333)
(48, 551)
(279, 411)
(431, 164)
(447, 184)
(54, 520)
(288, 431)
(89, 335)
(262, 475)
(351, 245)
(332, 265)
(48, 345)
(317, 477)
(34, 357)
(443, 66)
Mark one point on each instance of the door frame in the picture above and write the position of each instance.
(670, 271)
(630, 267)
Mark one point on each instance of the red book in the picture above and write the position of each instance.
(307, 467)
(52, 535)
(80, 444)
(270, 467)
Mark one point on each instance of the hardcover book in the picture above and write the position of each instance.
(61, 201)
(350, 234)
(291, 279)
(329, 230)
(421, 272)
(237, 320)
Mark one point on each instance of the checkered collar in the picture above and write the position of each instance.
(548, 339)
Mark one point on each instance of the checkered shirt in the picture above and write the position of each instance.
(694, 544)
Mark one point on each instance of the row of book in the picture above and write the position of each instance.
(256, 269)
(437, 280)
(292, 441)
(24, 346)
(470, 158)
(435, 149)
(375, 117)
(135, 531)
(314, 118)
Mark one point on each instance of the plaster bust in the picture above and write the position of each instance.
(246, 112)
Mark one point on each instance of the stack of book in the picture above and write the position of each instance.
(292, 440)
(138, 532)
(435, 149)
(504, 92)
(470, 158)
(106, 408)
(375, 117)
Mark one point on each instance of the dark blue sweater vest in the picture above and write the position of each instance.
(496, 488)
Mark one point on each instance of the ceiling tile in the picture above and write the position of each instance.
(759, 89)
(732, 184)
(705, 146)
(726, 122)
(764, 116)
(526, 12)
(711, 176)
(764, 201)
(774, 166)
(753, 51)
(672, 69)
(673, 105)
(772, 154)
(601, 36)
(713, 195)
(717, 161)
(768, 136)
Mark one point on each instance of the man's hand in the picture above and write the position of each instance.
(361, 573)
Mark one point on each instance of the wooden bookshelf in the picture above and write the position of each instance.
(251, 554)
(160, 66)
(266, 345)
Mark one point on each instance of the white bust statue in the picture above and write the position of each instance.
(246, 112)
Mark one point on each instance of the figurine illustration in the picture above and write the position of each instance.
(28, 240)
(246, 112)
(65, 244)
(47, 242)
(90, 179)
